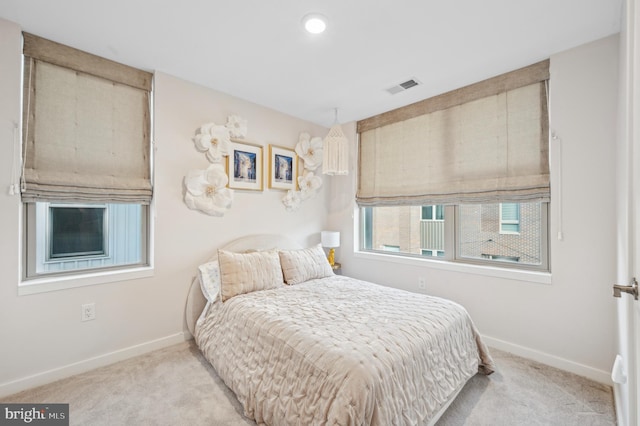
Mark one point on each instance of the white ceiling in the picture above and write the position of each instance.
(257, 50)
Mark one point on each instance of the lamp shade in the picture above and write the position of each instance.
(335, 152)
(330, 239)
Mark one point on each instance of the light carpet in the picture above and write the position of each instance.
(177, 386)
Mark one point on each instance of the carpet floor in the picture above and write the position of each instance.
(177, 386)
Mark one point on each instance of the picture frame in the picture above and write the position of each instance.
(283, 168)
(244, 166)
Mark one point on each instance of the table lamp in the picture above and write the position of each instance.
(330, 240)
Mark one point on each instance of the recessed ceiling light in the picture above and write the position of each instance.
(314, 23)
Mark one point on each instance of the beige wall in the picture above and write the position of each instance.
(41, 335)
(569, 323)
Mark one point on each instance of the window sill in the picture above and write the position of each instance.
(484, 270)
(43, 285)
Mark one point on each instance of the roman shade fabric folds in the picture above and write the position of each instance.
(484, 143)
(86, 127)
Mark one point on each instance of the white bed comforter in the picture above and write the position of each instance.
(338, 351)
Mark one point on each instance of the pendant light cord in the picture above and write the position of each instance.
(14, 186)
(558, 142)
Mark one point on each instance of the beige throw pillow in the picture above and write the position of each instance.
(246, 272)
(305, 264)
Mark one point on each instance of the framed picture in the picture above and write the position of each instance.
(244, 166)
(283, 168)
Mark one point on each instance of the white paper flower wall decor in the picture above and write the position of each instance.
(310, 151)
(237, 126)
(214, 140)
(309, 184)
(206, 190)
(291, 200)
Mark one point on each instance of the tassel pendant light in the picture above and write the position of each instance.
(335, 151)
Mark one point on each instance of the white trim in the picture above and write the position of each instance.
(54, 283)
(52, 375)
(490, 271)
(594, 374)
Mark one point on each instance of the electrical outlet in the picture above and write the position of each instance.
(422, 283)
(88, 311)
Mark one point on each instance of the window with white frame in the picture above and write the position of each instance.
(468, 233)
(86, 182)
(74, 237)
(463, 177)
(433, 212)
(509, 218)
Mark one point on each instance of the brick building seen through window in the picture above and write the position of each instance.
(508, 232)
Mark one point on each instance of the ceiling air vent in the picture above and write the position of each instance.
(403, 86)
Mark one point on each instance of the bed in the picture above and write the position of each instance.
(299, 345)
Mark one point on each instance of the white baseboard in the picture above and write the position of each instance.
(49, 376)
(594, 374)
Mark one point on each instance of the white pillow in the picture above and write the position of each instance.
(246, 272)
(305, 264)
(209, 274)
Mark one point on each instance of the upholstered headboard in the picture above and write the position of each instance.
(196, 300)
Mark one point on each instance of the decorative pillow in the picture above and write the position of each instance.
(305, 264)
(209, 274)
(246, 272)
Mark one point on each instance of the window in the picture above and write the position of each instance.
(87, 161)
(432, 253)
(481, 234)
(463, 176)
(509, 218)
(474, 236)
(76, 231)
(79, 237)
(433, 212)
(432, 231)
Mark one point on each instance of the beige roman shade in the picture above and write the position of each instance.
(484, 143)
(86, 127)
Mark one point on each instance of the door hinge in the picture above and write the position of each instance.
(631, 289)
